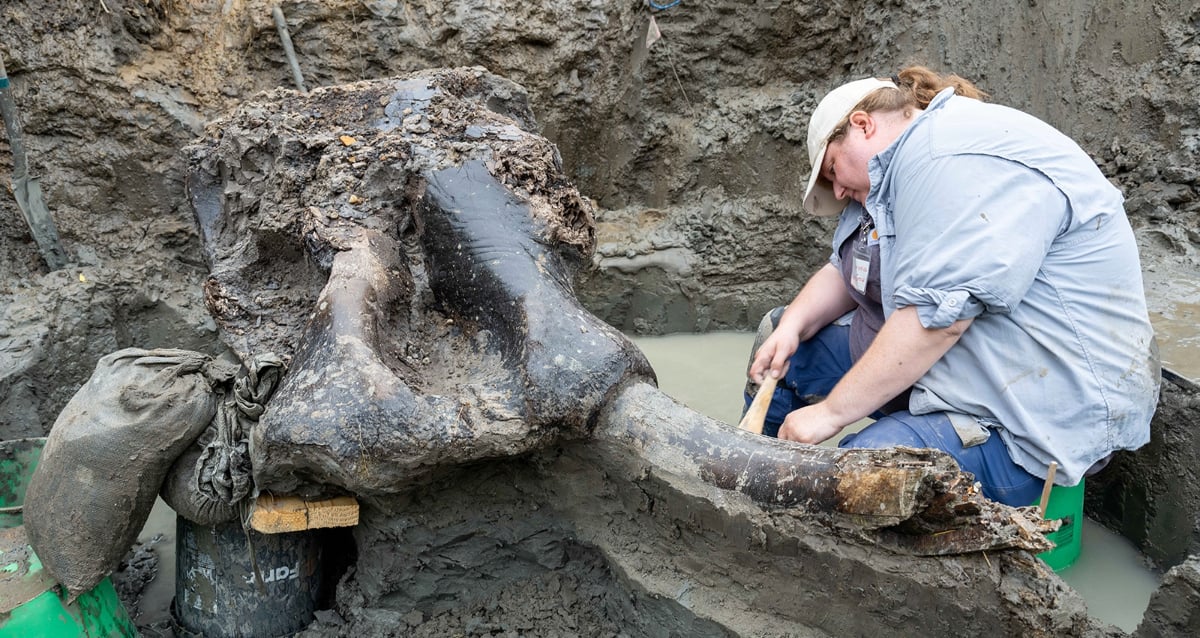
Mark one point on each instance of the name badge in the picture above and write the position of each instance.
(862, 267)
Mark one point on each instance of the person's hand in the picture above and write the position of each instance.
(773, 355)
(810, 424)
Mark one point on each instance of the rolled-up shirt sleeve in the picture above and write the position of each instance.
(971, 233)
(939, 308)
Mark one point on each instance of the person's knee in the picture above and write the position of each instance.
(1019, 494)
(887, 432)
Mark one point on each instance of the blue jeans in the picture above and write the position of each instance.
(819, 364)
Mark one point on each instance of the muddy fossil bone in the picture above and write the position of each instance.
(410, 245)
(914, 501)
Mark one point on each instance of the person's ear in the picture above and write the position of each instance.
(864, 121)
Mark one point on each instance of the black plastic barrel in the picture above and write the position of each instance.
(220, 594)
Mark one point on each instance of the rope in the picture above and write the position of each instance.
(661, 7)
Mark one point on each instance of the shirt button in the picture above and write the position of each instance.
(952, 303)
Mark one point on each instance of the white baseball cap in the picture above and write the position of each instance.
(834, 107)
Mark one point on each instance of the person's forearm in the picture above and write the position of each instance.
(821, 300)
(902, 352)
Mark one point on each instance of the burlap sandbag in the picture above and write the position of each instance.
(107, 454)
(180, 488)
(211, 482)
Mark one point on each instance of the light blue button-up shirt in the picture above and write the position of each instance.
(987, 212)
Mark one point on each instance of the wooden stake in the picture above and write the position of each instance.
(752, 421)
(1046, 488)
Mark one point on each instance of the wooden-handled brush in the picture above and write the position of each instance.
(752, 421)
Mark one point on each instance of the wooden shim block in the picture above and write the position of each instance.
(279, 514)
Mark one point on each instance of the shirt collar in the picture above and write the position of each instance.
(878, 165)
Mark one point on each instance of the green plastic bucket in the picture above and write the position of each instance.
(1066, 504)
(32, 605)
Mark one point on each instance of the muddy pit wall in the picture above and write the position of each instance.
(1150, 496)
(103, 141)
(693, 218)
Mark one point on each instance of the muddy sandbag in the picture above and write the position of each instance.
(107, 454)
(210, 483)
(181, 488)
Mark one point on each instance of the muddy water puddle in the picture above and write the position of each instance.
(1174, 302)
(1177, 329)
(707, 373)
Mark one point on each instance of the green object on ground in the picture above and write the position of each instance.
(1065, 503)
(18, 458)
(95, 614)
(32, 604)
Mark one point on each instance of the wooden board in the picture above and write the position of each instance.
(279, 514)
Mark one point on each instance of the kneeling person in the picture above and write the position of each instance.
(995, 285)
